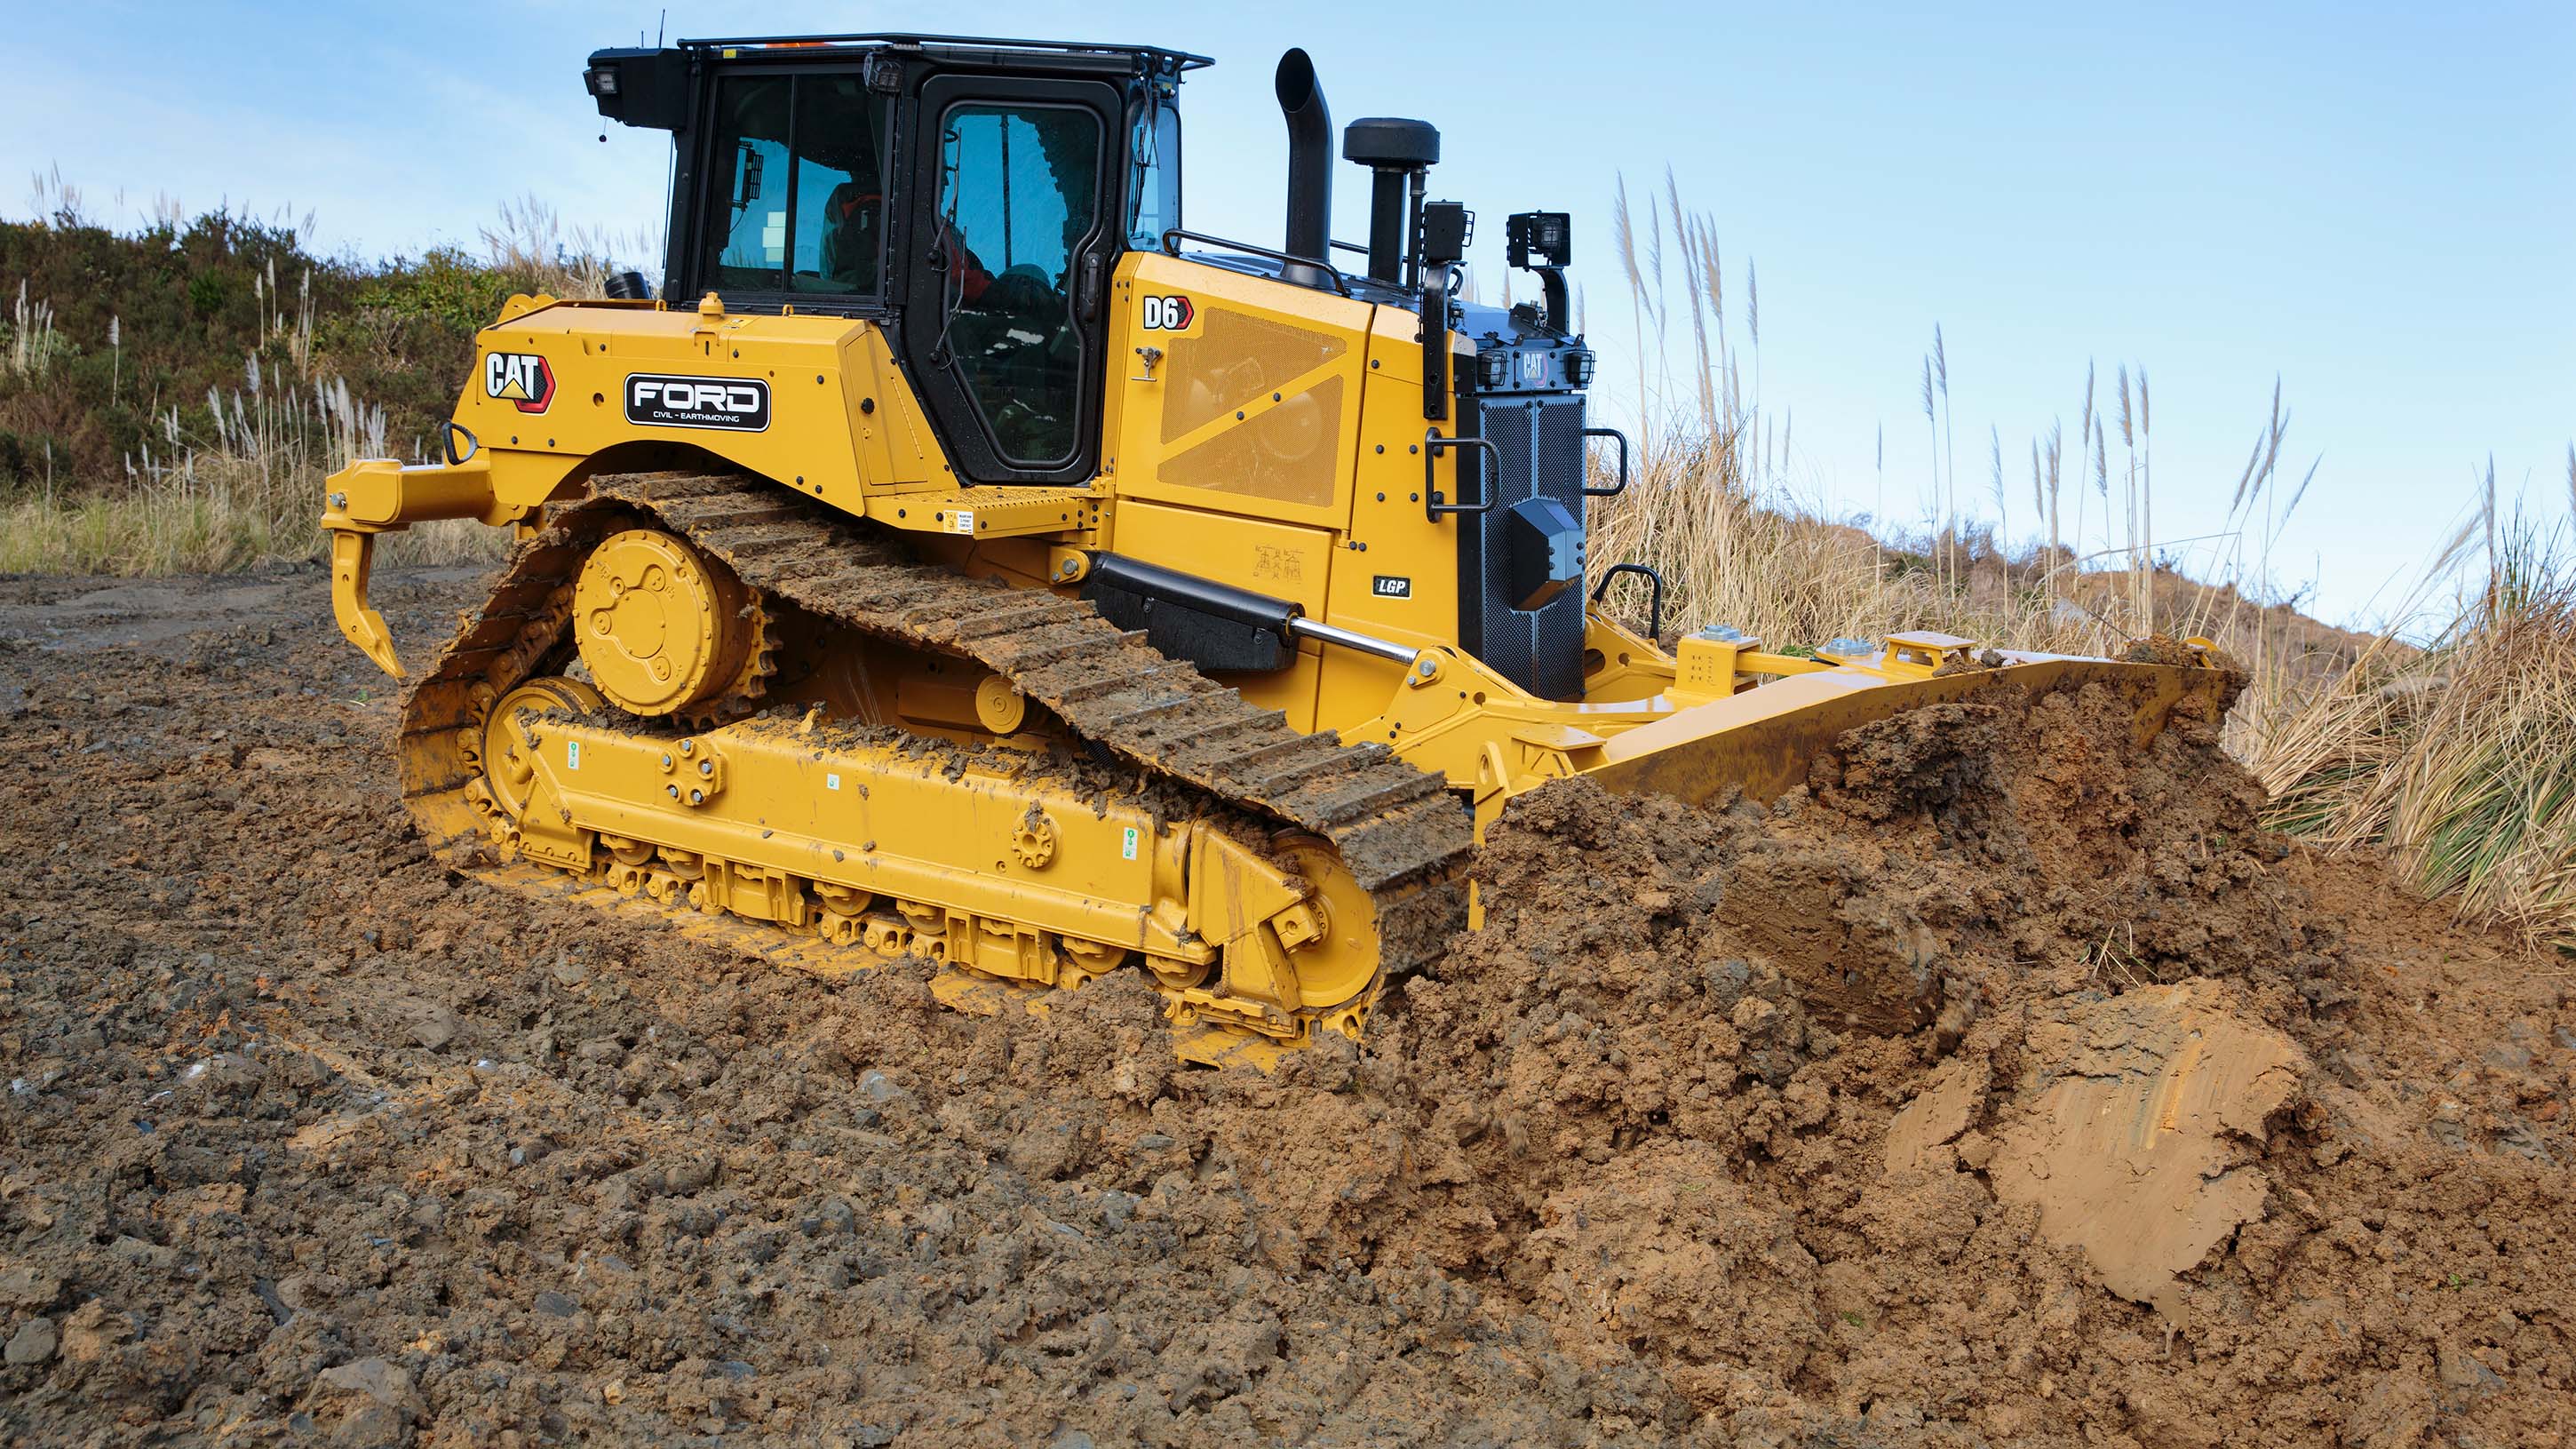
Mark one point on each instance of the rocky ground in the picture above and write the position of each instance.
(2007, 1086)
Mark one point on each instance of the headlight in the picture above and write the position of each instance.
(1539, 238)
(1578, 368)
(1495, 367)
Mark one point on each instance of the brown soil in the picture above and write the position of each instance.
(2004, 1087)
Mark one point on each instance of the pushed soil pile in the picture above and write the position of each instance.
(2011, 1082)
(2007, 1085)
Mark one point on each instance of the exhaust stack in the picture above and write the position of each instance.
(1310, 165)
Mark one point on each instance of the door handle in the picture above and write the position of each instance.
(1087, 290)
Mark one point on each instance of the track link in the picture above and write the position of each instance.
(1395, 827)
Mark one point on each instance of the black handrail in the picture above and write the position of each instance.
(1173, 237)
(1654, 600)
(1432, 444)
(1621, 486)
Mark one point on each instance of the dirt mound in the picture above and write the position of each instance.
(2006, 1085)
(1976, 1088)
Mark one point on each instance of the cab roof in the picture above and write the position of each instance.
(977, 49)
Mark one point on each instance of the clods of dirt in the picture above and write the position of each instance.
(2008, 1082)
(2006, 1085)
(2138, 1130)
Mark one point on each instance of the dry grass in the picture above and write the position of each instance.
(1755, 558)
(32, 340)
(1710, 508)
(240, 481)
(209, 519)
(2458, 759)
(245, 490)
(529, 241)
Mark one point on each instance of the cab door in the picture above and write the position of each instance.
(1014, 230)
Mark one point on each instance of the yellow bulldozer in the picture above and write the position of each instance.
(958, 557)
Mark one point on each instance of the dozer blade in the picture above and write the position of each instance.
(1763, 740)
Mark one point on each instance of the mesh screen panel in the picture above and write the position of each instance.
(1286, 454)
(1233, 360)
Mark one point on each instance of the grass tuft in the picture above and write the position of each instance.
(2458, 759)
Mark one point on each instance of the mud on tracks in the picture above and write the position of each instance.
(1726, 1131)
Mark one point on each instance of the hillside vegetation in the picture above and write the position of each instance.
(171, 397)
(2454, 753)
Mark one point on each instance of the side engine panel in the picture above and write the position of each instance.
(815, 402)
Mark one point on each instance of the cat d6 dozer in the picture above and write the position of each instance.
(958, 557)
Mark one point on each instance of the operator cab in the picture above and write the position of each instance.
(972, 198)
(969, 196)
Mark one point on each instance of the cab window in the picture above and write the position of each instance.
(799, 200)
(1153, 173)
(1018, 195)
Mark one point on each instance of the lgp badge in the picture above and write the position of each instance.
(522, 379)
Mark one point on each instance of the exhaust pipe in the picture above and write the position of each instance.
(1310, 165)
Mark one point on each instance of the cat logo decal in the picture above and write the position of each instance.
(520, 378)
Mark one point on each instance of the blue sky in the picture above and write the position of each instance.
(2374, 202)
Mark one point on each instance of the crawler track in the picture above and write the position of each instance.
(1397, 831)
